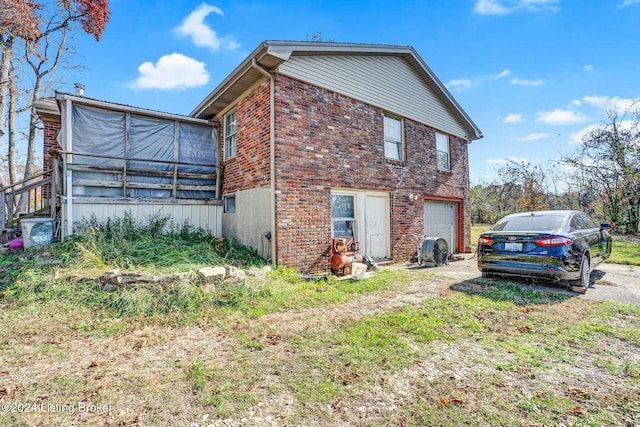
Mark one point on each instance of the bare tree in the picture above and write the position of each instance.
(318, 37)
(18, 21)
(531, 180)
(40, 31)
(11, 128)
(609, 157)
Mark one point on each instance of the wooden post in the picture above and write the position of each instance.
(127, 152)
(3, 207)
(56, 180)
(9, 199)
(176, 158)
(68, 146)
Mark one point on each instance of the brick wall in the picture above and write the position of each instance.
(51, 130)
(325, 140)
(249, 168)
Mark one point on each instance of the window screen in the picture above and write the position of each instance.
(442, 151)
(392, 138)
(342, 215)
(230, 135)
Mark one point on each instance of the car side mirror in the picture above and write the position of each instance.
(604, 226)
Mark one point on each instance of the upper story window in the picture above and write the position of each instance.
(230, 135)
(393, 147)
(442, 152)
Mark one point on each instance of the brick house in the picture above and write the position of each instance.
(315, 141)
(329, 139)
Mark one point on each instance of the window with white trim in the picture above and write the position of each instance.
(442, 152)
(343, 215)
(393, 147)
(230, 135)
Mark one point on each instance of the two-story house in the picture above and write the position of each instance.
(315, 141)
(334, 139)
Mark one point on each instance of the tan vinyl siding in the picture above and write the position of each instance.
(366, 78)
(207, 216)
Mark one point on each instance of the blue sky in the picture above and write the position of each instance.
(532, 74)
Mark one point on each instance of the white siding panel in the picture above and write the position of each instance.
(383, 81)
(209, 217)
(251, 220)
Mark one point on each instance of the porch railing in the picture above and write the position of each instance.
(138, 177)
(29, 198)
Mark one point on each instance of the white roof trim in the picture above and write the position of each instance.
(282, 50)
(128, 109)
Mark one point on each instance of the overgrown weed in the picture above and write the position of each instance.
(159, 247)
(155, 246)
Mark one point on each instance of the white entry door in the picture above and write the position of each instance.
(376, 226)
(365, 216)
(441, 220)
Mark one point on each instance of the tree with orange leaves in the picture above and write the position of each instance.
(34, 35)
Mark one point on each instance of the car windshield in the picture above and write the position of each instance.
(529, 223)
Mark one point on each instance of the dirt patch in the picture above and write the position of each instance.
(291, 323)
(144, 375)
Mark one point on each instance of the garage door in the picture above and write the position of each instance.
(441, 220)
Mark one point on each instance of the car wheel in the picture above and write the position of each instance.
(585, 273)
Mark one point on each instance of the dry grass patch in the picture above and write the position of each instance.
(402, 348)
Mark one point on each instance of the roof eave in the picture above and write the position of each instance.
(230, 80)
(271, 53)
(91, 102)
(475, 132)
(47, 109)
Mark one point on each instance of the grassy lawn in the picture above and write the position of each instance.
(402, 348)
(625, 251)
(476, 231)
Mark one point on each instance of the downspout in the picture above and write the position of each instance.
(272, 153)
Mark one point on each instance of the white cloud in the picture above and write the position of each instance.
(576, 137)
(588, 68)
(560, 117)
(459, 84)
(629, 2)
(503, 73)
(491, 7)
(465, 83)
(505, 7)
(533, 137)
(624, 125)
(512, 118)
(201, 34)
(172, 72)
(523, 82)
(621, 105)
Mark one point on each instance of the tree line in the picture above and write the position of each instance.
(34, 44)
(601, 177)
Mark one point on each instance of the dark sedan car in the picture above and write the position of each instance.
(556, 245)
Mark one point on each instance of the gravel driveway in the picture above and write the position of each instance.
(610, 282)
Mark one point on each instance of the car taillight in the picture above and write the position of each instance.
(554, 241)
(485, 240)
